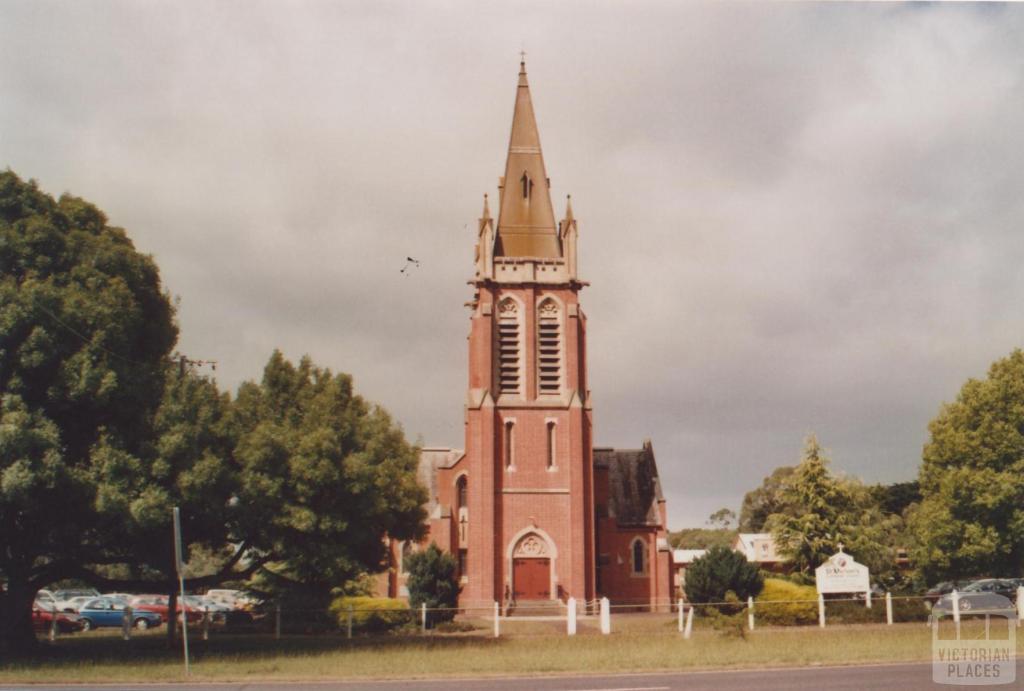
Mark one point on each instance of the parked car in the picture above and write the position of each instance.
(103, 611)
(217, 611)
(985, 595)
(235, 599)
(42, 619)
(63, 596)
(75, 603)
(935, 593)
(158, 604)
(121, 597)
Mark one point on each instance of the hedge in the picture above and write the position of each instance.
(769, 610)
(371, 614)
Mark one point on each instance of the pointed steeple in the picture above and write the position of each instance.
(526, 220)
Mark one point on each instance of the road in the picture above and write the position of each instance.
(905, 677)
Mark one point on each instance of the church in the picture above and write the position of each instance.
(531, 509)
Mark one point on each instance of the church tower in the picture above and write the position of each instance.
(524, 506)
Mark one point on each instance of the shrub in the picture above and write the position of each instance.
(433, 581)
(719, 571)
(775, 604)
(371, 614)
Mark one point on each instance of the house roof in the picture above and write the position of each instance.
(634, 489)
(686, 556)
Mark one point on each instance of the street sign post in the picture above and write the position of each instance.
(179, 566)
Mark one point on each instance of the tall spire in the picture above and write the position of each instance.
(526, 220)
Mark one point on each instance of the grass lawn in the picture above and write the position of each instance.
(640, 644)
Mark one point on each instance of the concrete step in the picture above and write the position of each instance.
(537, 608)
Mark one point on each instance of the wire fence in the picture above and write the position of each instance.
(570, 617)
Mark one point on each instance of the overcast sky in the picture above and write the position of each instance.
(795, 217)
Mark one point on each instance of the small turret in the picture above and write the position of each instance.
(485, 244)
(567, 235)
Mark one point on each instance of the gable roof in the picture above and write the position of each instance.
(634, 489)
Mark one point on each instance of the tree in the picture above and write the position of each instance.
(189, 464)
(433, 581)
(719, 572)
(759, 504)
(823, 511)
(701, 538)
(971, 517)
(323, 477)
(722, 519)
(85, 333)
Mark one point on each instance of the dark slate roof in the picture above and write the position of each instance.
(634, 489)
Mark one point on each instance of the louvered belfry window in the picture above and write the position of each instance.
(549, 349)
(509, 350)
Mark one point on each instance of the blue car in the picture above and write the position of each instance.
(104, 611)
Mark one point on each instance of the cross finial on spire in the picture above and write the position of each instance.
(522, 56)
(840, 546)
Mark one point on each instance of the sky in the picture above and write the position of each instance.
(795, 217)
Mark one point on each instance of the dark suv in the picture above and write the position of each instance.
(986, 595)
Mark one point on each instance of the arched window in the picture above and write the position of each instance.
(527, 186)
(460, 492)
(509, 351)
(508, 442)
(639, 556)
(549, 348)
(551, 444)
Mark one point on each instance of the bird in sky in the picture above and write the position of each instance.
(410, 264)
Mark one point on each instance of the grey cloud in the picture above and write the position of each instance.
(795, 217)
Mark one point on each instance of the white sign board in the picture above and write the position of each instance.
(841, 574)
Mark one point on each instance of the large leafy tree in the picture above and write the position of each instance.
(85, 332)
(971, 517)
(823, 511)
(762, 502)
(188, 464)
(323, 477)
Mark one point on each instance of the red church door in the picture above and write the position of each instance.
(532, 578)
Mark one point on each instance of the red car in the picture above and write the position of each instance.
(159, 605)
(42, 619)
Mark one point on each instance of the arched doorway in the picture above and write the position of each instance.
(532, 562)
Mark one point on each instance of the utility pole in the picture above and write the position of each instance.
(184, 363)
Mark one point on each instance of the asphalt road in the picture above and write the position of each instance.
(904, 677)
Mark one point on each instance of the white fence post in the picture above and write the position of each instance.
(689, 623)
(821, 610)
(423, 617)
(867, 598)
(1020, 603)
(956, 612)
(888, 608)
(497, 619)
(750, 612)
(606, 616)
(682, 614)
(206, 623)
(570, 617)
